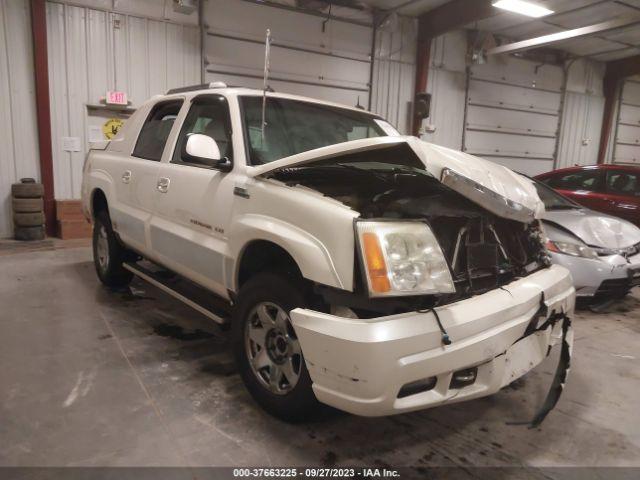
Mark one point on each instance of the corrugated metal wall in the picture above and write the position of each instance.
(394, 71)
(582, 114)
(446, 83)
(18, 135)
(92, 51)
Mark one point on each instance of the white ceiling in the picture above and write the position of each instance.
(569, 14)
(411, 8)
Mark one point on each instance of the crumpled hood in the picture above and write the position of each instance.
(490, 185)
(493, 177)
(595, 229)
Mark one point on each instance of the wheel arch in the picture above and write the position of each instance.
(261, 255)
(309, 255)
(98, 202)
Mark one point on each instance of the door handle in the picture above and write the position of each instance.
(163, 184)
(126, 176)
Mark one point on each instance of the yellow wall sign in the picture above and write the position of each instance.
(111, 127)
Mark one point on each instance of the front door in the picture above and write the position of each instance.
(194, 202)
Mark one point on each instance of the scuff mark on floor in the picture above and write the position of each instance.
(73, 395)
(619, 355)
(81, 388)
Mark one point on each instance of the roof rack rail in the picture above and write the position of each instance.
(192, 88)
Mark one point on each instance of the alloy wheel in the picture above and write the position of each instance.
(272, 348)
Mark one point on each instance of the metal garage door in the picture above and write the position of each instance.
(332, 65)
(512, 112)
(627, 147)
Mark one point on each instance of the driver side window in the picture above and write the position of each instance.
(208, 115)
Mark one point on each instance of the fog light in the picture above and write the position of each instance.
(419, 386)
(463, 378)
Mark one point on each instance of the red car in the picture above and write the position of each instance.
(612, 189)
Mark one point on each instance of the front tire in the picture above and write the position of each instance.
(267, 349)
(109, 254)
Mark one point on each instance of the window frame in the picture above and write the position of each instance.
(177, 145)
(152, 111)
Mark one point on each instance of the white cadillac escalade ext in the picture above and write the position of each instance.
(366, 270)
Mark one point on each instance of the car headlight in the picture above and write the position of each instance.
(402, 258)
(573, 249)
(625, 252)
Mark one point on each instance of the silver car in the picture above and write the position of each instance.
(602, 252)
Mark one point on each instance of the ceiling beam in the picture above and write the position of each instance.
(453, 15)
(625, 67)
(564, 36)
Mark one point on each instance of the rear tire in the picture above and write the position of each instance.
(29, 233)
(267, 350)
(28, 219)
(27, 205)
(109, 254)
(27, 190)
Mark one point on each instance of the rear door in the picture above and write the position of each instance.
(137, 180)
(623, 194)
(193, 207)
(584, 186)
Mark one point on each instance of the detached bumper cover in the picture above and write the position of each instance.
(360, 365)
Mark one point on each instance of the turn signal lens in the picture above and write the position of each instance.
(552, 247)
(375, 263)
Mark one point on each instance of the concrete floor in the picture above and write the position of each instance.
(91, 377)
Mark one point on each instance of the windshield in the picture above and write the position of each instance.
(553, 200)
(294, 126)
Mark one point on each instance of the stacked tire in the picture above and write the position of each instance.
(28, 209)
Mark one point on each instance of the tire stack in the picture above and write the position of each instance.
(28, 209)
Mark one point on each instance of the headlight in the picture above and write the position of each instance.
(625, 252)
(573, 249)
(402, 258)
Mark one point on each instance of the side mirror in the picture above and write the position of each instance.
(201, 149)
(204, 150)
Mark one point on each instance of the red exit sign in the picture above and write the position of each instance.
(116, 98)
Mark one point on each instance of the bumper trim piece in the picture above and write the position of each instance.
(562, 372)
(360, 365)
(559, 379)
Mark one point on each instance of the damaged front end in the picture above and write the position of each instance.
(487, 240)
(454, 296)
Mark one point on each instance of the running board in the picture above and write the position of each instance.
(201, 300)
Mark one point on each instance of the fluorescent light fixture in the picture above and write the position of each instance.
(524, 8)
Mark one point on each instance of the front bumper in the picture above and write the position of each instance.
(608, 276)
(360, 365)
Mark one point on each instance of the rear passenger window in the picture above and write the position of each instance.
(623, 183)
(155, 131)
